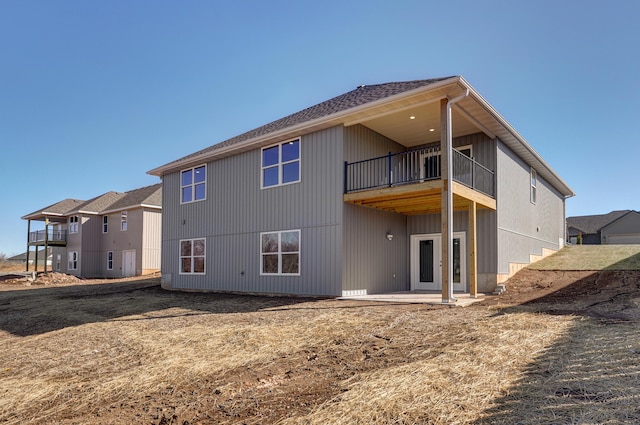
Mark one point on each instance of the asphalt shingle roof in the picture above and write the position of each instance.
(360, 96)
(59, 208)
(148, 195)
(590, 224)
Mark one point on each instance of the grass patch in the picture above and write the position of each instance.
(127, 353)
(592, 257)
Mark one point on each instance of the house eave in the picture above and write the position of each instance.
(41, 215)
(317, 124)
(516, 142)
(490, 121)
(130, 207)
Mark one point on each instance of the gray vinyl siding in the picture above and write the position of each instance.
(113, 241)
(90, 259)
(237, 210)
(117, 241)
(370, 260)
(524, 228)
(74, 243)
(362, 143)
(62, 252)
(483, 148)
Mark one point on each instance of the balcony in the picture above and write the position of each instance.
(52, 237)
(411, 182)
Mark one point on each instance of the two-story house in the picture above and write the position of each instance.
(116, 234)
(417, 185)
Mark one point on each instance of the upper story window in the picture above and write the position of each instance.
(73, 224)
(123, 220)
(193, 184)
(105, 223)
(534, 184)
(281, 164)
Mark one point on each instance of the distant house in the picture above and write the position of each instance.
(116, 234)
(416, 185)
(40, 257)
(616, 227)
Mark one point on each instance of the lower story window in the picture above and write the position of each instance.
(110, 260)
(280, 252)
(73, 260)
(192, 256)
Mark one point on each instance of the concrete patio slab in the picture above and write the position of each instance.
(418, 297)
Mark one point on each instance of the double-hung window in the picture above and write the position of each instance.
(281, 164)
(192, 256)
(73, 224)
(73, 260)
(193, 184)
(534, 185)
(105, 223)
(280, 253)
(109, 260)
(123, 220)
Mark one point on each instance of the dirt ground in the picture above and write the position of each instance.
(612, 295)
(298, 382)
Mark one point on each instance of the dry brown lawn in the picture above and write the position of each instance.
(128, 353)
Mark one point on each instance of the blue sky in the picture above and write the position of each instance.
(94, 94)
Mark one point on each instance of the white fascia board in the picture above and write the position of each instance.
(129, 208)
(42, 214)
(302, 128)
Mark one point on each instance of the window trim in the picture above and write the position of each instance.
(533, 181)
(465, 147)
(74, 225)
(193, 184)
(109, 260)
(280, 164)
(105, 224)
(73, 261)
(124, 217)
(180, 257)
(280, 252)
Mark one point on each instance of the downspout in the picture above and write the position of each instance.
(450, 103)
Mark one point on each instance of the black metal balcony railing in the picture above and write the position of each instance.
(53, 235)
(415, 166)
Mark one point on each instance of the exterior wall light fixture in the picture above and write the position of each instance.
(389, 236)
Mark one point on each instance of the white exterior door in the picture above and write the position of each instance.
(129, 263)
(426, 262)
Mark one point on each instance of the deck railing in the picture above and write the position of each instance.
(414, 166)
(53, 235)
(470, 173)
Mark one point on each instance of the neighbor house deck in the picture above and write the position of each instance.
(49, 237)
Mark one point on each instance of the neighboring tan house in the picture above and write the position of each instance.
(112, 235)
(372, 191)
(616, 227)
